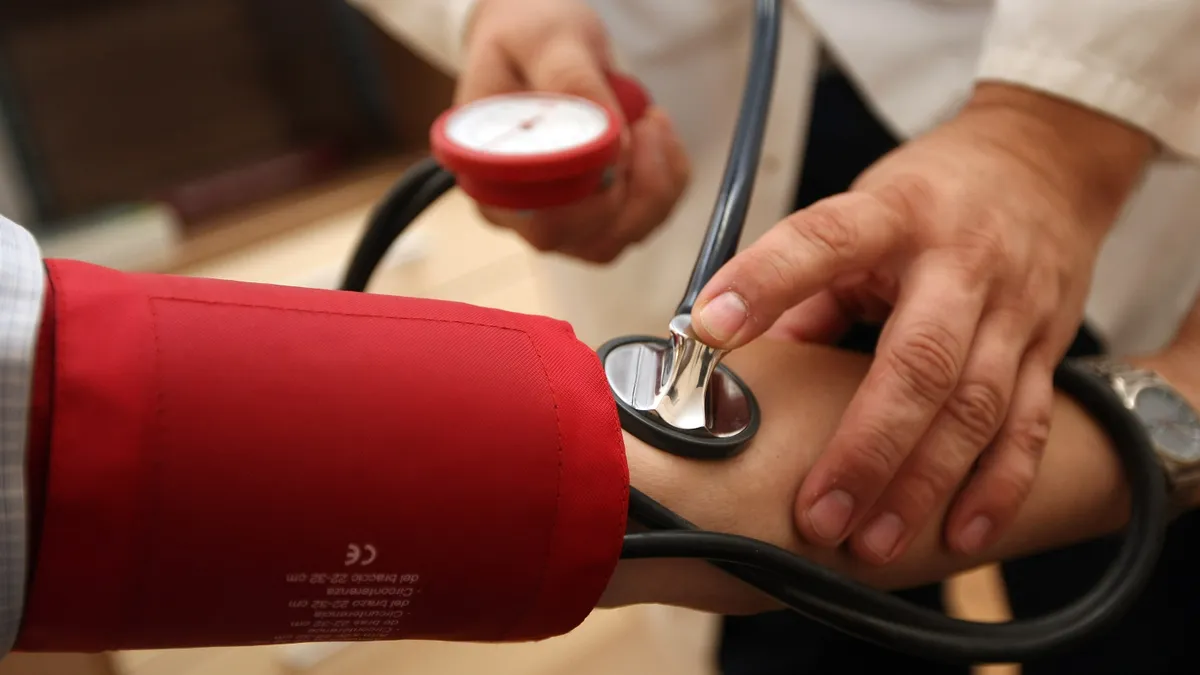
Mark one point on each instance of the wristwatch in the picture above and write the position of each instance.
(1171, 422)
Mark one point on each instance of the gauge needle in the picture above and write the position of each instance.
(526, 124)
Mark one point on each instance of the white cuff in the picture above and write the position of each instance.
(1174, 123)
(432, 28)
(458, 17)
(22, 289)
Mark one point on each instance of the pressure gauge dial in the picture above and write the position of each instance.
(532, 150)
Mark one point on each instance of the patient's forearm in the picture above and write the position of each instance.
(1079, 493)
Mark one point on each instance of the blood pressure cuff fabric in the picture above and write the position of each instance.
(238, 464)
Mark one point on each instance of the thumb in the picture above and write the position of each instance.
(799, 257)
(569, 65)
(488, 71)
(564, 65)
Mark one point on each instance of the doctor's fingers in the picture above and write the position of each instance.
(565, 229)
(488, 71)
(800, 256)
(566, 64)
(647, 182)
(966, 424)
(574, 229)
(657, 177)
(1006, 471)
(918, 365)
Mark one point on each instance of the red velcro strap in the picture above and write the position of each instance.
(236, 464)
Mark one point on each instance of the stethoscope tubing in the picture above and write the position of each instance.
(724, 232)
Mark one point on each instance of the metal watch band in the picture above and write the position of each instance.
(1124, 378)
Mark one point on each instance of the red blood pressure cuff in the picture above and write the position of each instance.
(235, 464)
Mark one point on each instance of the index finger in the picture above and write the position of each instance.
(918, 363)
(798, 257)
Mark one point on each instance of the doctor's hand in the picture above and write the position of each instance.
(561, 46)
(976, 242)
(1080, 492)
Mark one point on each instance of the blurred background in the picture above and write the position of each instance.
(249, 140)
(160, 121)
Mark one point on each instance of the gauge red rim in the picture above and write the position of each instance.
(593, 156)
(532, 196)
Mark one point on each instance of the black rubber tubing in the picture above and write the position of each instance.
(416, 190)
(737, 186)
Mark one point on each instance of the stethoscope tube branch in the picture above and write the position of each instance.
(420, 186)
(737, 187)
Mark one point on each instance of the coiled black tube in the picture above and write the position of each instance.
(417, 190)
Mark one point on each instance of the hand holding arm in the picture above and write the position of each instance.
(1080, 492)
(978, 239)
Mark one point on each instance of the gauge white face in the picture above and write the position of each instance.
(526, 124)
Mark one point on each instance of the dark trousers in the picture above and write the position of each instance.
(1154, 639)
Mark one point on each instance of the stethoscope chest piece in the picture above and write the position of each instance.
(675, 395)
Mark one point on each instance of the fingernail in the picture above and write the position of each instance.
(831, 514)
(974, 535)
(883, 534)
(724, 316)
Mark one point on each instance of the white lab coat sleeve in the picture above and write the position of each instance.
(1136, 60)
(432, 28)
